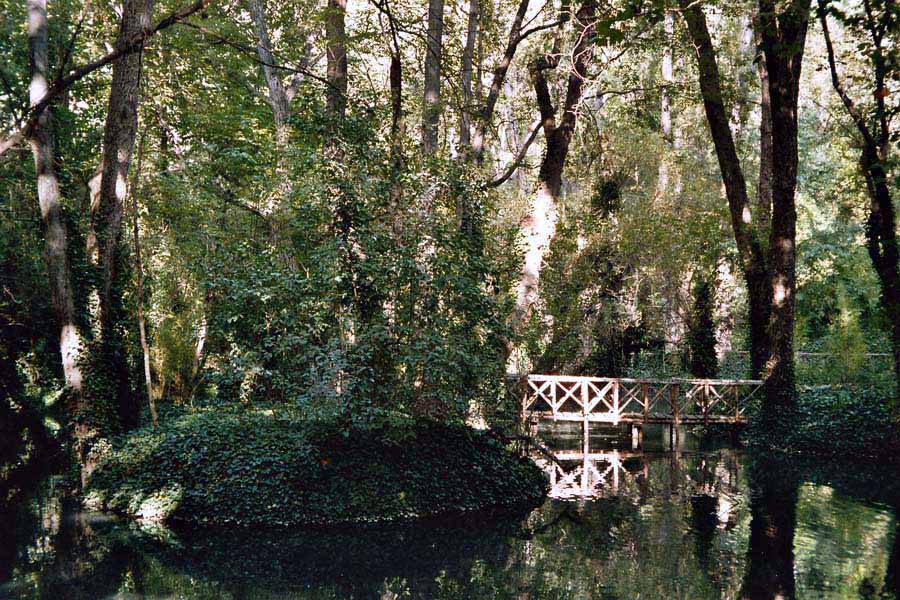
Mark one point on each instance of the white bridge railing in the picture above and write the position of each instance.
(622, 400)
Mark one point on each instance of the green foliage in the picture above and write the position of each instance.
(254, 469)
(702, 333)
(851, 420)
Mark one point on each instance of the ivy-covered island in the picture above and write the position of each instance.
(261, 470)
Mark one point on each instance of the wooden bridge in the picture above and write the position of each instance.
(639, 402)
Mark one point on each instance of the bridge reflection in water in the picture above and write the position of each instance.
(586, 475)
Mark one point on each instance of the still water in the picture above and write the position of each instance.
(619, 525)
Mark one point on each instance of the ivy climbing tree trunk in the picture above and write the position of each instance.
(118, 142)
(768, 266)
(783, 33)
(41, 140)
(336, 56)
(539, 227)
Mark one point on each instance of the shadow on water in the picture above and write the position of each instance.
(710, 524)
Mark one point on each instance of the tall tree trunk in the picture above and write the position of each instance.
(665, 109)
(71, 342)
(431, 105)
(769, 272)
(465, 115)
(881, 240)
(279, 98)
(336, 51)
(118, 141)
(281, 112)
(783, 35)
(750, 245)
(766, 168)
(139, 283)
(539, 228)
(500, 71)
(398, 132)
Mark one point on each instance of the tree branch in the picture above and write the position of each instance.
(133, 44)
(519, 158)
(851, 107)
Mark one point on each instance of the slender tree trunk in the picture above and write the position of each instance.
(431, 105)
(766, 169)
(279, 98)
(881, 238)
(398, 132)
(665, 109)
(881, 227)
(280, 103)
(335, 34)
(139, 283)
(500, 71)
(539, 228)
(465, 115)
(71, 342)
(118, 142)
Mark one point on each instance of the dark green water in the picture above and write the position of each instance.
(689, 525)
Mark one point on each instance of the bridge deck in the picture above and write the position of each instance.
(638, 401)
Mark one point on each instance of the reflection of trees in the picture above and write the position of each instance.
(678, 527)
(773, 506)
(640, 542)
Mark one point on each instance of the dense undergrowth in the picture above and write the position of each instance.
(257, 470)
(853, 421)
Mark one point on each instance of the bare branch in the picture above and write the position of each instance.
(519, 157)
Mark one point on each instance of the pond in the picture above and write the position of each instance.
(692, 524)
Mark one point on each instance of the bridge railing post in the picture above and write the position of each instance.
(616, 401)
(705, 400)
(645, 398)
(737, 402)
(585, 395)
(674, 393)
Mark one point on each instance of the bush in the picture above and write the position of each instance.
(253, 469)
(851, 420)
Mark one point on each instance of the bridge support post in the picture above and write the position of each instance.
(676, 417)
(636, 436)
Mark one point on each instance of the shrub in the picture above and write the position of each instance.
(253, 469)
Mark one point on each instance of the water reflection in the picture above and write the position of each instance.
(621, 525)
(773, 505)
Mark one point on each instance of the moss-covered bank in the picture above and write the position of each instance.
(257, 470)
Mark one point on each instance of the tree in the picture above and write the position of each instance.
(702, 332)
(118, 142)
(539, 227)
(873, 123)
(431, 99)
(41, 140)
(769, 266)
